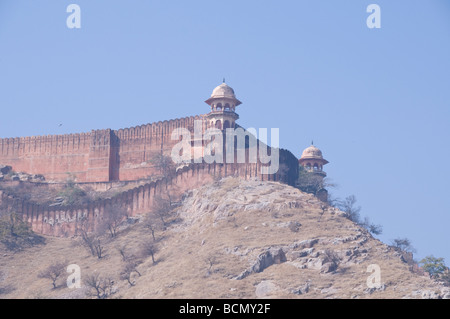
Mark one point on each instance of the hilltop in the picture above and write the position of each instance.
(232, 238)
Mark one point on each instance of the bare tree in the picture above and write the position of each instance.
(127, 272)
(154, 222)
(131, 260)
(123, 251)
(371, 227)
(211, 261)
(113, 217)
(164, 164)
(91, 239)
(149, 249)
(162, 208)
(324, 209)
(53, 272)
(348, 206)
(330, 256)
(101, 287)
(403, 244)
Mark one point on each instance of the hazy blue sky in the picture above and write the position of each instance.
(376, 101)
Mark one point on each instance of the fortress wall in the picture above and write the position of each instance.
(99, 164)
(98, 156)
(136, 146)
(52, 156)
(64, 221)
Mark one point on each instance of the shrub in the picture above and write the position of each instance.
(434, 266)
(15, 233)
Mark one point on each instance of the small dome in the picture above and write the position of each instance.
(223, 90)
(312, 152)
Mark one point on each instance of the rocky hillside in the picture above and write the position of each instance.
(231, 239)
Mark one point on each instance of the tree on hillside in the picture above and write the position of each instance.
(164, 165)
(92, 240)
(53, 272)
(72, 194)
(310, 182)
(162, 207)
(113, 217)
(352, 211)
(15, 233)
(149, 249)
(330, 256)
(127, 272)
(433, 265)
(403, 244)
(375, 229)
(152, 222)
(101, 287)
(348, 206)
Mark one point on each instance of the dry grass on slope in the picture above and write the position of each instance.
(233, 239)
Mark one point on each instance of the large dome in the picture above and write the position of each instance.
(223, 90)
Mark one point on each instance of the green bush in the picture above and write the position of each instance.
(73, 195)
(434, 266)
(15, 234)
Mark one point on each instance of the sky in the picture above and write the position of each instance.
(375, 101)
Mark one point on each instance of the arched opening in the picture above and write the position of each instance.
(219, 107)
(227, 107)
(219, 124)
(316, 167)
(308, 166)
(226, 124)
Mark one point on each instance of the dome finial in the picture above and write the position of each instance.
(312, 142)
(223, 80)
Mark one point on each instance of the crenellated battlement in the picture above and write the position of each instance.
(156, 129)
(100, 155)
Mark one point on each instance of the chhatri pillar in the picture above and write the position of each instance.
(312, 160)
(223, 104)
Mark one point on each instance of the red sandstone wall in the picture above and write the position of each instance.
(62, 221)
(52, 156)
(98, 156)
(136, 146)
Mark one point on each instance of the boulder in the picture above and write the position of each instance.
(328, 267)
(5, 169)
(266, 288)
(266, 259)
